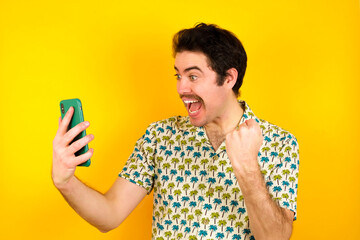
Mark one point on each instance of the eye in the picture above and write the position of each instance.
(177, 76)
(193, 77)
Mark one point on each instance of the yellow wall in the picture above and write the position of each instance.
(303, 75)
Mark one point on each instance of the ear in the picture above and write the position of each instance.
(231, 77)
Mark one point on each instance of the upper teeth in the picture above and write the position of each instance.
(190, 101)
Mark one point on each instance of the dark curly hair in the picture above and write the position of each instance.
(223, 49)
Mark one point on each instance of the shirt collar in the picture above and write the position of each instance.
(248, 113)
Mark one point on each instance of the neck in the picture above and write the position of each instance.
(228, 120)
(222, 125)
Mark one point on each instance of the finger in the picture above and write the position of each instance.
(251, 122)
(65, 121)
(73, 132)
(59, 121)
(84, 157)
(229, 135)
(243, 125)
(77, 145)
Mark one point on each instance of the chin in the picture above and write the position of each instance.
(197, 122)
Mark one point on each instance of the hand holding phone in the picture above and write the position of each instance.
(69, 149)
(78, 117)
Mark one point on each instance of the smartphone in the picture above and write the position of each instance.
(77, 118)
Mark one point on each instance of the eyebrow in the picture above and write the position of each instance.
(189, 69)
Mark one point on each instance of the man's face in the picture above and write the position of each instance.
(197, 87)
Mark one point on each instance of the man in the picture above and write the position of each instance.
(219, 173)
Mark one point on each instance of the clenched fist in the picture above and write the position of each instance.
(243, 145)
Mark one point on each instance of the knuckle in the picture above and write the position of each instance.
(227, 137)
(68, 138)
(68, 135)
(84, 157)
(72, 133)
(84, 125)
(77, 129)
(80, 127)
(78, 144)
(242, 129)
(66, 118)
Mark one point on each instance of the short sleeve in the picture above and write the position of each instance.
(283, 181)
(139, 168)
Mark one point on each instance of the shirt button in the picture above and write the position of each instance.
(211, 190)
(215, 157)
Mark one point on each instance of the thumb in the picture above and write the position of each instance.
(252, 123)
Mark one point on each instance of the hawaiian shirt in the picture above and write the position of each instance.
(196, 193)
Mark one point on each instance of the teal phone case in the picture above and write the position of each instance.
(77, 118)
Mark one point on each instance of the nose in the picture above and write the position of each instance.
(183, 86)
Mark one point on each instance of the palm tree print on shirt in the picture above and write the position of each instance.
(196, 194)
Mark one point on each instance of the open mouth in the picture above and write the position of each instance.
(193, 106)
